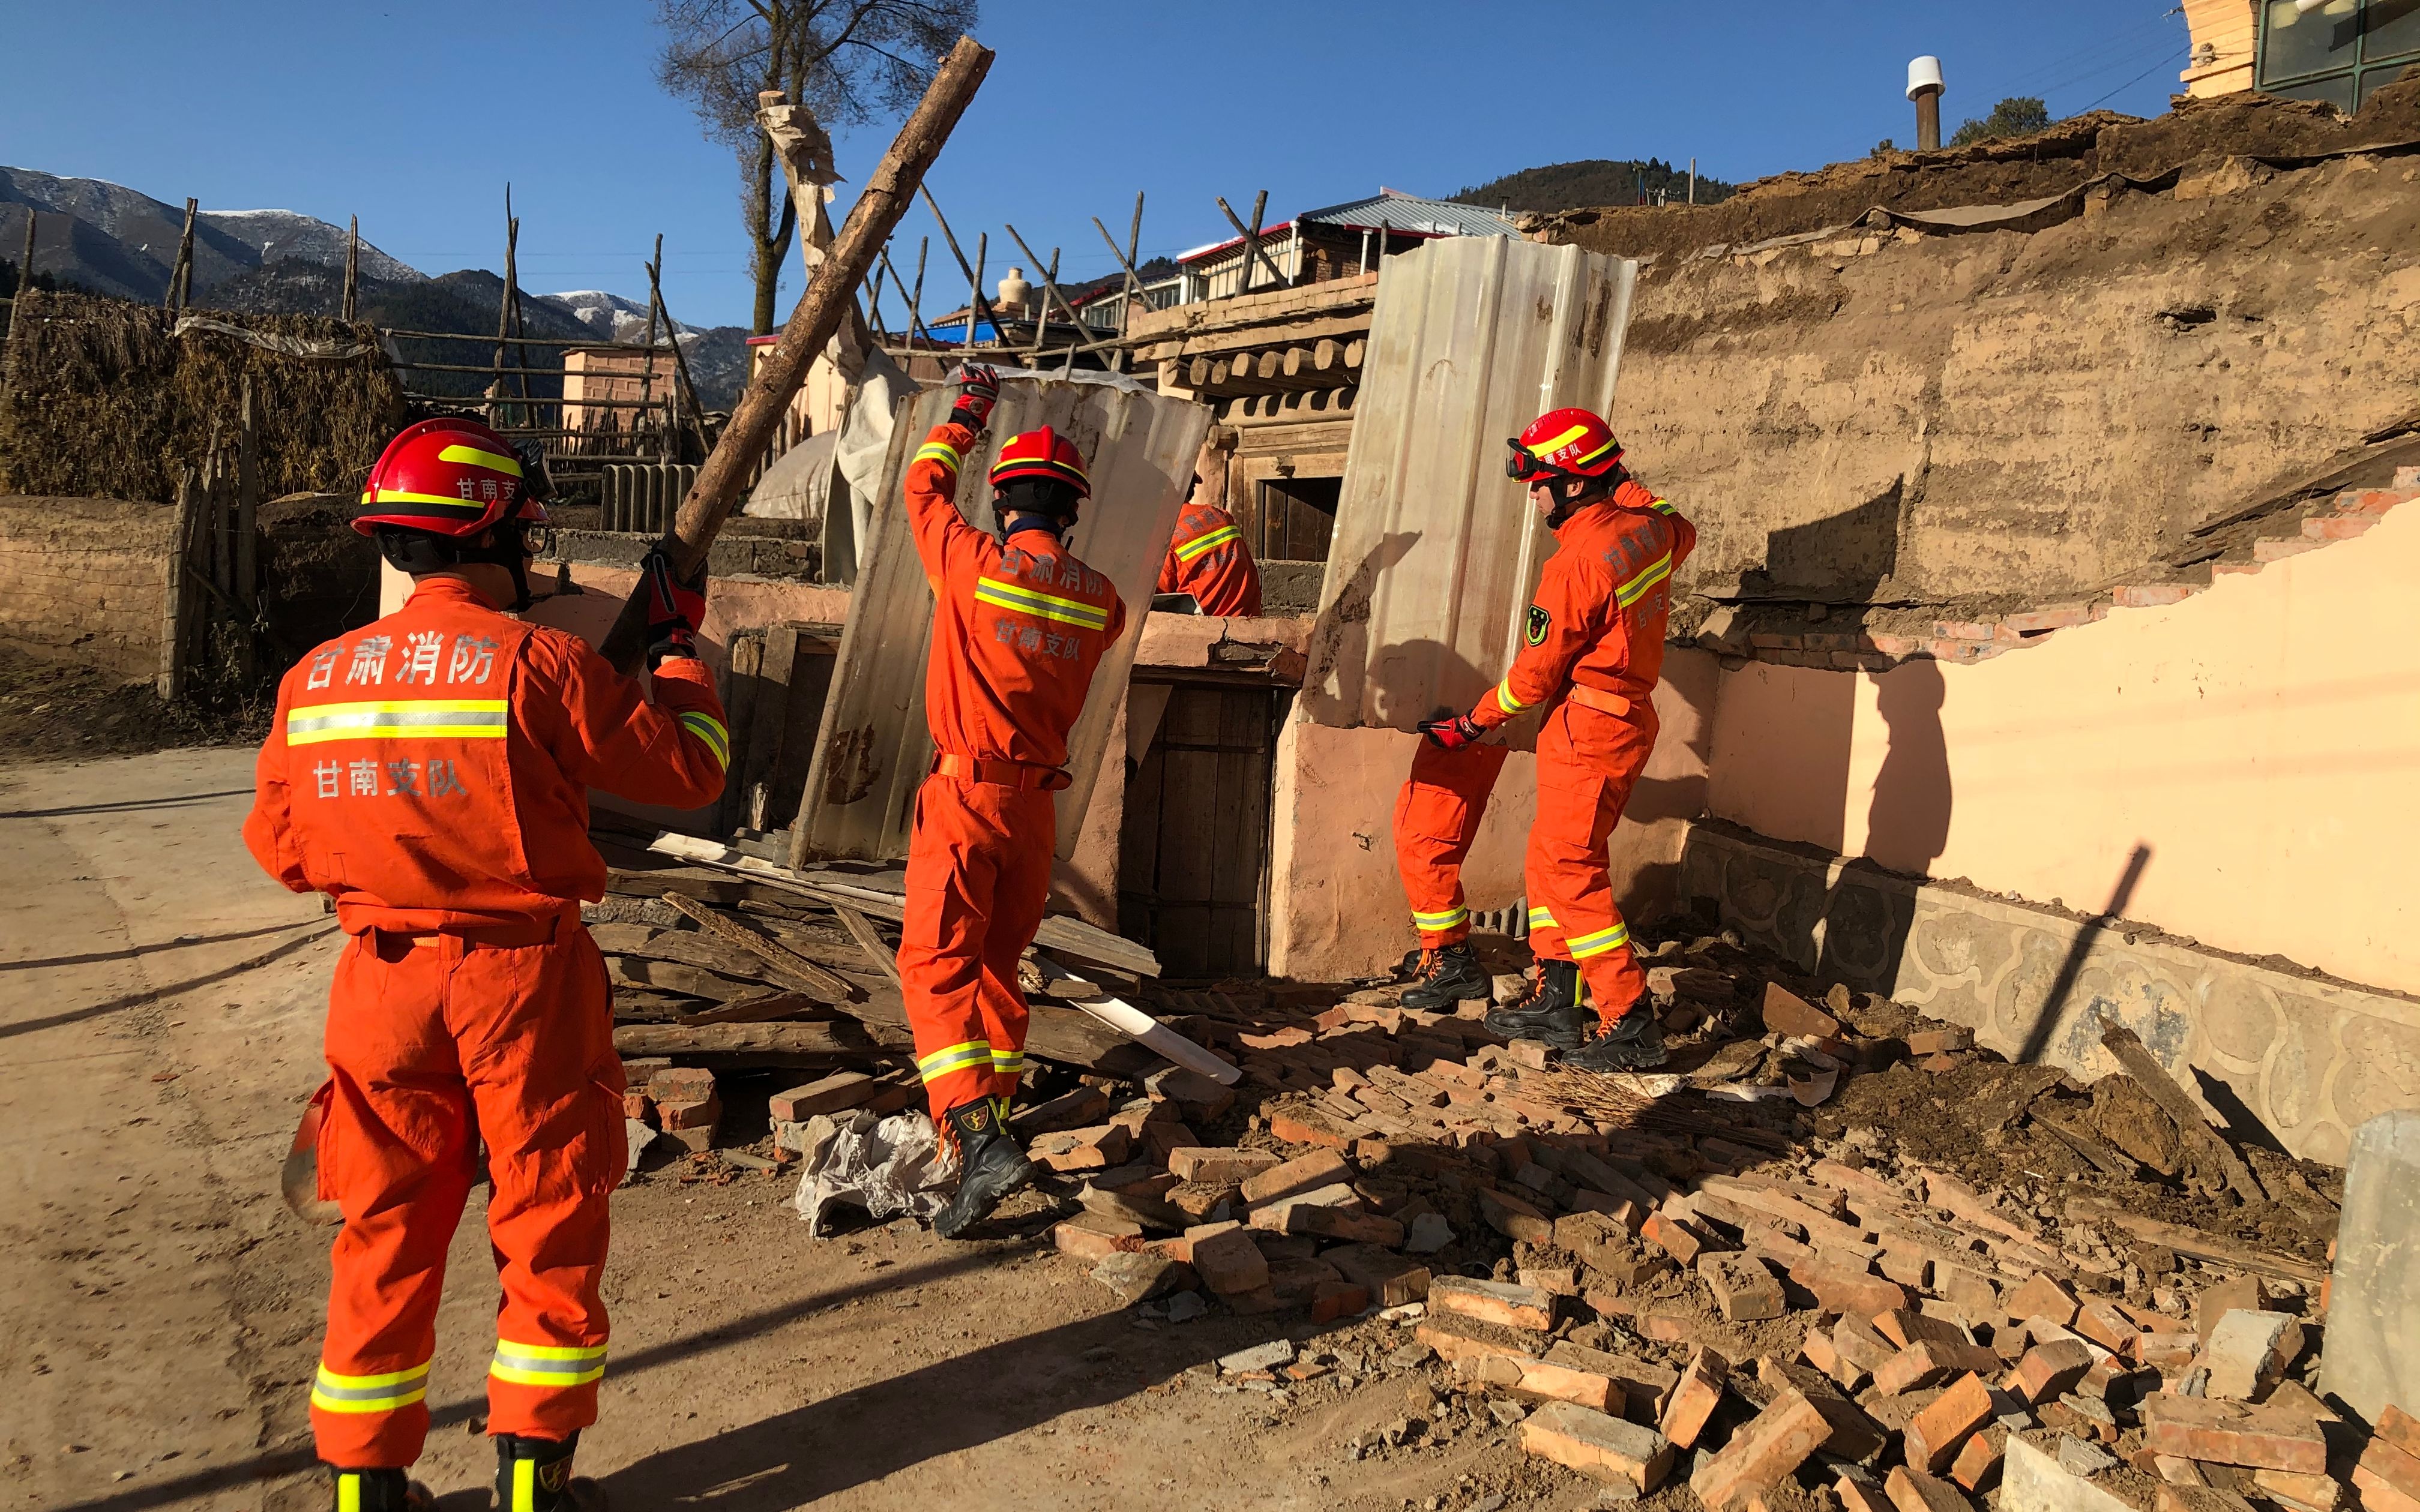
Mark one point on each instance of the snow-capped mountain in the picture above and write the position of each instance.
(611, 316)
(279, 234)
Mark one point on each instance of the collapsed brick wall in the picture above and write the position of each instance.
(85, 579)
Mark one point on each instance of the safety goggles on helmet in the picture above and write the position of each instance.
(1524, 465)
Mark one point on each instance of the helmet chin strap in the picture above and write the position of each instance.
(1011, 523)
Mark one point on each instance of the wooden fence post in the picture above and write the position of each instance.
(176, 596)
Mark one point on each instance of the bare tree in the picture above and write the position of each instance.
(847, 61)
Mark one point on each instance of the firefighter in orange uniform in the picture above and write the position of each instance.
(1593, 648)
(1018, 624)
(1436, 817)
(1207, 558)
(430, 773)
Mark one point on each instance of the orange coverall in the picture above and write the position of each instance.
(1436, 817)
(430, 773)
(1208, 558)
(1016, 632)
(1593, 646)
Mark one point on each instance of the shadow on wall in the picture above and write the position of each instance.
(1864, 931)
(1838, 560)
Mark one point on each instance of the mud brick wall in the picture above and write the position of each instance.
(84, 580)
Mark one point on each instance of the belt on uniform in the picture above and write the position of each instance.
(518, 934)
(1020, 775)
(1599, 700)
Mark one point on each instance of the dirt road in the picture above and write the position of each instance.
(160, 1013)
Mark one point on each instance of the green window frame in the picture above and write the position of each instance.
(2339, 52)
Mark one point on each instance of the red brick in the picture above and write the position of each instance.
(1088, 1236)
(2106, 1324)
(1929, 1362)
(1838, 1289)
(1786, 1013)
(1319, 1168)
(2043, 1297)
(1294, 1127)
(1330, 1222)
(1906, 1327)
(1936, 1041)
(2153, 596)
(2048, 1371)
(2232, 1433)
(1230, 1261)
(1493, 1301)
(2396, 1426)
(1332, 1299)
(1762, 1453)
(1743, 1287)
(1219, 1166)
(2388, 1461)
(1978, 1459)
(1964, 653)
(2337, 527)
(1566, 1383)
(1965, 631)
(1860, 1496)
(1071, 1110)
(1859, 1345)
(635, 1103)
(1672, 1237)
(1912, 1491)
(1819, 1351)
(1513, 1218)
(1664, 1326)
(703, 1113)
(1096, 1149)
(1694, 1399)
(2378, 1495)
(1936, 1434)
(1598, 1444)
(2052, 617)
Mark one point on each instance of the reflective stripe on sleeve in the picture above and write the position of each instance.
(1657, 570)
(942, 451)
(959, 1057)
(1584, 946)
(400, 719)
(1540, 917)
(1049, 606)
(1660, 507)
(1505, 699)
(708, 729)
(547, 1365)
(1201, 545)
(1008, 1063)
(334, 1393)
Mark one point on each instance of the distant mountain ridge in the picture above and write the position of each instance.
(115, 240)
(1591, 182)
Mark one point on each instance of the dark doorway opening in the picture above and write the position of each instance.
(1193, 867)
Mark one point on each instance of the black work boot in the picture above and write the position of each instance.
(1448, 975)
(1552, 1011)
(535, 1475)
(990, 1166)
(1633, 1042)
(378, 1491)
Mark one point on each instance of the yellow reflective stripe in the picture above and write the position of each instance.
(1200, 544)
(1584, 946)
(1547, 448)
(1007, 1062)
(524, 1486)
(547, 1364)
(1657, 570)
(709, 729)
(398, 719)
(954, 1058)
(1542, 915)
(1447, 920)
(453, 501)
(1505, 699)
(942, 451)
(1026, 601)
(1660, 507)
(333, 1393)
(348, 1491)
(1582, 461)
(479, 459)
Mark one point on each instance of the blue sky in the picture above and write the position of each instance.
(414, 115)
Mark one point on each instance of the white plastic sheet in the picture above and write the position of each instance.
(887, 1166)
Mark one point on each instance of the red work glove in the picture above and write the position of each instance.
(1451, 734)
(978, 391)
(674, 609)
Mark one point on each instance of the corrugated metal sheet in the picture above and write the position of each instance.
(873, 749)
(1435, 551)
(1406, 212)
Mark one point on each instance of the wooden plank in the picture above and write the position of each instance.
(674, 977)
(2154, 1078)
(746, 657)
(776, 664)
(763, 1009)
(830, 1037)
(178, 605)
(813, 657)
(861, 929)
(2194, 1243)
(777, 958)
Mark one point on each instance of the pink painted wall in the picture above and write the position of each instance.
(2261, 738)
(1340, 912)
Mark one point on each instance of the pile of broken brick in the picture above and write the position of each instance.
(1713, 1279)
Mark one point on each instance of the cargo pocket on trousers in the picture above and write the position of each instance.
(609, 1152)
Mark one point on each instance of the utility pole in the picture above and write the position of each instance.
(1693, 180)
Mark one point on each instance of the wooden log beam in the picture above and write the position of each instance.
(822, 306)
(784, 963)
(2194, 1243)
(826, 1037)
(2204, 1140)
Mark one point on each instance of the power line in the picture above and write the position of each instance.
(2169, 61)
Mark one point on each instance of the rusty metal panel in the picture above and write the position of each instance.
(874, 749)
(1435, 551)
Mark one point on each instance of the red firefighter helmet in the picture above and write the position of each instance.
(1042, 454)
(451, 477)
(1563, 444)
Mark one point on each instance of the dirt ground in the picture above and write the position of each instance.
(161, 1320)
